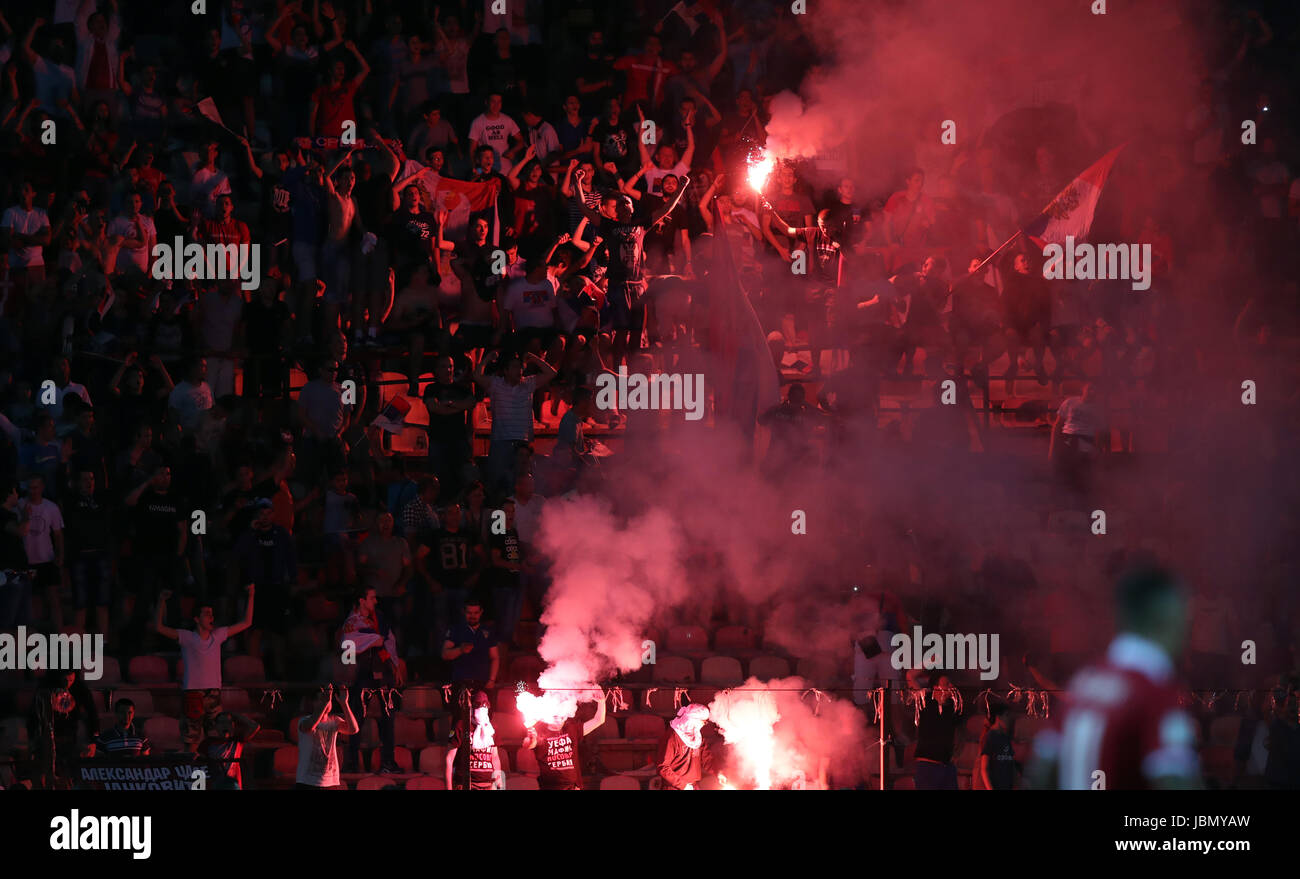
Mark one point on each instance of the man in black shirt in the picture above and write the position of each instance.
(450, 565)
(506, 560)
(90, 544)
(266, 329)
(997, 765)
(16, 593)
(559, 760)
(936, 733)
(157, 545)
(448, 403)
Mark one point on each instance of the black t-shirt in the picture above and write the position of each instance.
(410, 240)
(450, 557)
(508, 544)
(558, 760)
(935, 734)
(617, 144)
(156, 516)
(12, 554)
(447, 429)
(1002, 758)
(88, 525)
(624, 243)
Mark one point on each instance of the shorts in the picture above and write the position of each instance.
(623, 313)
(545, 335)
(47, 575)
(304, 260)
(199, 710)
(92, 580)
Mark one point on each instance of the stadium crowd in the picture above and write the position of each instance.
(466, 215)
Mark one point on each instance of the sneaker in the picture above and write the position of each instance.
(390, 769)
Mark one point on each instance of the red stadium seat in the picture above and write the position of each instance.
(164, 733)
(243, 670)
(376, 782)
(643, 726)
(767, 668)
(905, 782)
(818, 672)
(735, 638)
(724, 671)
(433, 760)
(409, 732)
(402, 756)
(421, 701)
(149, 670)
(426, 782)
(620, 782)
(688, 639)
(112, 673)
(674, 670)
(143, 700)
(521, 782)
(285, 761)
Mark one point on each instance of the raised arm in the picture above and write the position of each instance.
(159, 627)
(599, 718)
(662, 213)
(247, 621)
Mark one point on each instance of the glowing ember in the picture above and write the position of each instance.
(549, 708)
(760, 168)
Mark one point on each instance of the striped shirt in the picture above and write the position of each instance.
(124, 742)
(512, 408)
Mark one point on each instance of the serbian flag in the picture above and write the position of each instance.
(741, 371)
(392, 417)
(1074, 207)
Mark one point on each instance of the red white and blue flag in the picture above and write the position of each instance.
(1072, 211)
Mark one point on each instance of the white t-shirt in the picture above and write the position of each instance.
(43, 520)
(190, 401)
(532, 305)
(528, 517)
(495, 133)
(202, 659)
(318, 754)
(220, 315)
(25, 223)
(654, 177)
(60, 394)
(127, 258)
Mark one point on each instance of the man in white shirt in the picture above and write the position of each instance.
(24, 230)
(528, 508)
(44, 543)
(541, 136)
(201, 656)
(497, 130)
(191, 397)
(1078, 436)
(138, 236)
(64, 385)
(209, 182)
(318, 755)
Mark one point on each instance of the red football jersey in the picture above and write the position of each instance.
(1122, 717)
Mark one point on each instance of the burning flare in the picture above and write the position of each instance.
(760, 168)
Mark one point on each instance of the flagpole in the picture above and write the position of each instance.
(1001, 248)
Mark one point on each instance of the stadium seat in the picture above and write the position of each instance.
(525, 668)
(433, 760)
(526, 762)
(735, 638)
(285, 761)
(619, 782)
(426, 782)
(236, 699)
(975, 726)
(243, 670)
(521, 782)
(967, 756)
(643, 726)
(767, 668)
(409, 732)
(143, 700)
(164, 733)
(509, 728)
(376, 782)
(688, 639)
(674, 670)
(905, 782)
(149, 670)
(722, 670)
(607, 730)
(112, 673)
(370, 733)
(663, 702)
(421, 701)
(402, 756)
(320, 609)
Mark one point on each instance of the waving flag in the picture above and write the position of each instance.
(742, 374)
(1072, 211)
